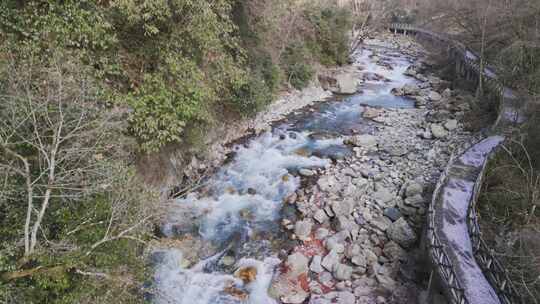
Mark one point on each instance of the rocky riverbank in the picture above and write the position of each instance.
(360, 224)
(350, 229)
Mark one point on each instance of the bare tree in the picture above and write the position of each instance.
(55, 138)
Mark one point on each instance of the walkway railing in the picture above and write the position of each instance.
(442, 253)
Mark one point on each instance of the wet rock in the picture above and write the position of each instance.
(228, 260)
(246, 274)
(342, 272)
(302, 229)
(402, 233)
(447, 93)
(438, 131)
(306, 172)
(393, 251)
(392, 213)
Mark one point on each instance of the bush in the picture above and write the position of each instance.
(330, 43)
(165, 104)
(297, 65)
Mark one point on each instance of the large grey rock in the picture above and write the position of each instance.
(346, 84)
(364, 140)
(296, 296)
(402, 233)
(302, 229)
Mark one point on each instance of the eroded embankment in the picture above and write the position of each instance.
(328, 205)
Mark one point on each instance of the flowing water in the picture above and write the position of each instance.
(237, 215)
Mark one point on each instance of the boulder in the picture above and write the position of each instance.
(346, 84)
(364, 140)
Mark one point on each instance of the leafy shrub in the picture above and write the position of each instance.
(297, 65)
(330, 43)
(165, 104)
(251, 94)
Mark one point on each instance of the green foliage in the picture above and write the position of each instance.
(165, 104)
(330, 42)
(297, 65)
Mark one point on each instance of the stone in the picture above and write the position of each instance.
(438, 131)
(371, 113)
(330, 261)
(381, 222)
(359, 260)
(344, 207)
(451, 124)
(315, 265)
(246, 274)
(447, 93)
(302, 229)
(342, 272)
(392, 213)
(434, 96)
(393, 251)
(416, 201)
(228, 260)
(297, 264)
(296, 296)
(321, 233)
(364, 140)
(383, 195)
(346, 84)
(329, 184)
(413, 188)
(306, 172)
(348, 224)
(320, 216)
(410, 89)
(352, 250)
(335, 244)
(402, 233)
